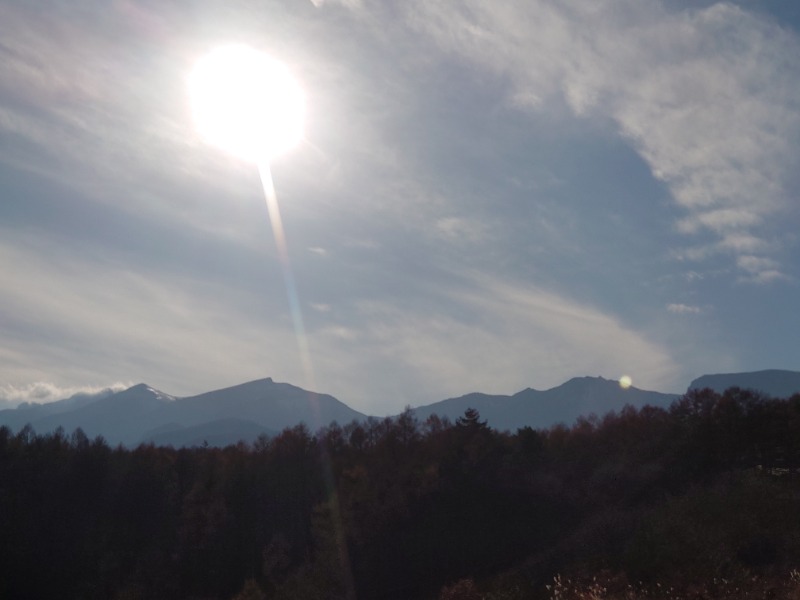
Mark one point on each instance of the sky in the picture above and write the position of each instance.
(489, 196)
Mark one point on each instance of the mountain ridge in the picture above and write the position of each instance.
(143, 414)
(578, 396)
(777, 383)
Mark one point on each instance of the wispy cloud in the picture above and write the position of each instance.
(68, 87)
(43, 392)
(684, 309)
(759, 269)
(73, 319)
(485, 334)
(96, 102)
(347, 3)
(708, 98)
(459, 228)
(401, 187)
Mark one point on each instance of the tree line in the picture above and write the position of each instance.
(399, 509)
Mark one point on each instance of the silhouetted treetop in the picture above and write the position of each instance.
(471, 420)
(390, 508)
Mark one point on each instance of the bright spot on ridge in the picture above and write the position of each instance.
(625, 382)
(246, 103)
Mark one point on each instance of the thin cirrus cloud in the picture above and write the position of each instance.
(68, 317)
(708, 98)
(484, 333)
(759, 269)
(42, 392)
(95, 101)
(450, 219)
(684, 309)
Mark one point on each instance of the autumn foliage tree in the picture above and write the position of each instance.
(395, 508)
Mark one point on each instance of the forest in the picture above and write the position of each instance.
(700, 500)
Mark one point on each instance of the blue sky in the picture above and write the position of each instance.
(490, 196)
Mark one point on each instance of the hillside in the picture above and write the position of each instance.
(697, 501)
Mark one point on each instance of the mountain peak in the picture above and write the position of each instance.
(140, 411)
(584, 382)
(142, 390)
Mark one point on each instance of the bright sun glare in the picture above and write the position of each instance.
(246, 102)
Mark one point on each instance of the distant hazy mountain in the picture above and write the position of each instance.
(120, 418)
(534, 408)
(27, 412)
(773, 382)
(273, 405)
(35, 413)
(243, 412)
(223, 416)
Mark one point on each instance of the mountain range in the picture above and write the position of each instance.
(580, 396)
(141, 414)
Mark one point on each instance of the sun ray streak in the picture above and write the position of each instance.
(288, 277)
(305, 357)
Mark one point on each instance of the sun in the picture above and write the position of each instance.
(246, 103)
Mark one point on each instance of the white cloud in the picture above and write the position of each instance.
(756, 264)
(487, 335)
(84, 321)
(765, 277)
(721, 220)
(347, 3)
(709, 110)
(42, 392)
(684, 309)
(693, 276)
(759, 269)
(461, 229)
(707, 97)
(78, 320)
(743, 242)
(106, 114)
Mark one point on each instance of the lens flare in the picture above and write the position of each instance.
(249, 105)
(288, 276)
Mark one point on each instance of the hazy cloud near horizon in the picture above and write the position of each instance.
(42, 392)
(490, 197)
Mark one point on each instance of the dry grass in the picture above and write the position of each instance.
(608, 587)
